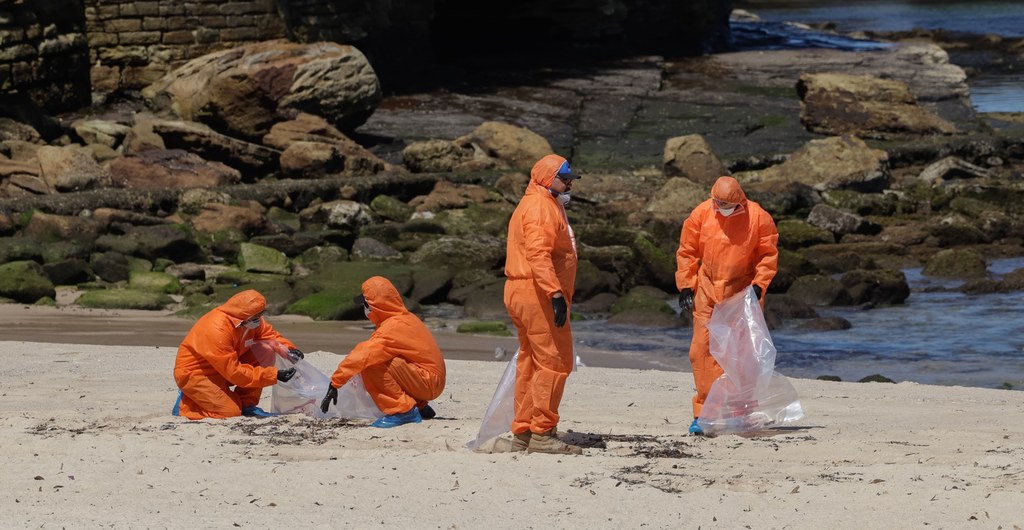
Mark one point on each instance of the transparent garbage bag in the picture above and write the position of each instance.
(501, 411)
(750, 395)
(306, 389)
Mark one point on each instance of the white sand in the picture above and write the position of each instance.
(87, 441)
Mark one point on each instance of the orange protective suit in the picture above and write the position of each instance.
(718, 257)
(540, 261)
(216, 355)
(401, 364)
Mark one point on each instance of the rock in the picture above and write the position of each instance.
(159, 282)
(674, 201)
(865, 106)
(639, 308)
(446, 196)
(142, 138)
(839, 222)
(485, 327)
(215, 217)
(47, 227)
(591, 281)
(243, 90)
(485, 300)
(787, 306)
(317, 159)
(391, 209)
(818, 290)
(111, 266)
(955, 263)
(838, 162)
(173, 242)
(692, 158)
(71, 169)
(461, 253)
(25, 282)
(21, 178)
(597, 305)
(253, 160)
(172, 168)
(256, 258)
(318, 256)
(514, 146)
(430, 285)
(876, 287)
(826, 324)
(15, 130)
(102, 132)
(435, 156)
(69, 272)
(369, 249)
(949, 168)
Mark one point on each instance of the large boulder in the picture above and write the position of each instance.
(244, 90)
(251, 159)
(516, 147)
(863, 105)
(71, 168)
(691, 157)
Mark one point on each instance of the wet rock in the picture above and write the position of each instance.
(485, 301)
(786, 306)
(461, 253)
(826, 324)
(390, 208)
(369, 249)
(645, 308)
(47, 227)
(485, 327)
(795, 234)
(69, 272)
(818, 290)
(950, 168)
(343, 214)
(781, 197)
(599, 304)
(875, 378)
(878, 204)
(431, 285)
(591, 281)
(674, 201)
(159, 282)
(215, 217)
(111, 266)
(955, 263)
(25, 282)
(876, 287)
(435, 156)
(242, 90)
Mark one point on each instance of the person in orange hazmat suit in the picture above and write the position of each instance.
(216, 355)
(540, 271)
(727, 244)
(401, 364)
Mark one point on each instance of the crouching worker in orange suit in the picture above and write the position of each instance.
(728, 243)
(401, 364)
(540, 271)
(216, 355)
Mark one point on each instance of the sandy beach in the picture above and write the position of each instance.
(88, 441)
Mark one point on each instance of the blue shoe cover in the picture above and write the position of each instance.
(695, 428)
(176, 409)
(256, 412)
(394, 420)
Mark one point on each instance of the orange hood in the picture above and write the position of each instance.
(244, 305)
(544, 171)
(383, 298)
(728, 189)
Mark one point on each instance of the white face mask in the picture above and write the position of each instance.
(366, 311)
(726, 212)
(251, 324)
(563, 198)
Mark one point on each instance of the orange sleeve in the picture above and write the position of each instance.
(767, 255)
(218, 348)
(367, 353)
(539, 237)
(688, 253)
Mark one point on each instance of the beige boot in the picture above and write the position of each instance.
(521, 441)
(548, 442)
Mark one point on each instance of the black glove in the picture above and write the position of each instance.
(686, 299)
(561, 310)
(295, 354)
(284, 375)
(757, 291)
(331, 396)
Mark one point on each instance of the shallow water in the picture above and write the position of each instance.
(990, 92)
(937, 337)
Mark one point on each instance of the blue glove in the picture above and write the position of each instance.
(256, 412)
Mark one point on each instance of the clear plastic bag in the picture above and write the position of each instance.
(501, 411)
(304, 391)
(750, 396)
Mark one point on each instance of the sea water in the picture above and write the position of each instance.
(939, 336)
(997, 91)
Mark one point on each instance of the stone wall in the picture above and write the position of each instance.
(133, 43)
(44, 52)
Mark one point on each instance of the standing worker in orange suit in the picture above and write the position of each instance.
(540, 267)
(216, 355)
(728, 243)
(401, 364)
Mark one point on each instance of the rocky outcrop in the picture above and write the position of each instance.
(243, 91)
